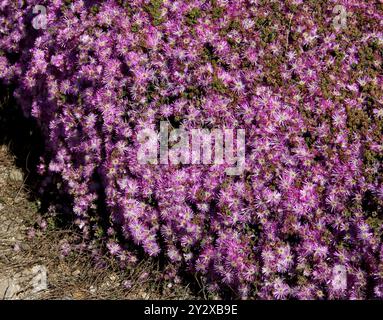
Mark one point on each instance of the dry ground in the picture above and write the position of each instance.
(25, 259)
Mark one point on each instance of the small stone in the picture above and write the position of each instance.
(9, 288)
(78, 295)
(92, 289)
(113, 277)
(4, 284)
(76, 273)
(38, 278)
(16, 175)
(145, 295)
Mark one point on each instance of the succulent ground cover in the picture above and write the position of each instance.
(302, 78)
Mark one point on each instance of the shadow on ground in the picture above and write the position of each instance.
(20, 135)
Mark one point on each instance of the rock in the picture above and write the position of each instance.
(39, 282)
(24, 284)
(16, 175)
(9, 288)
(4, 285)
(1, 206)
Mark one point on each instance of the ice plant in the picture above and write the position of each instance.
(307, 94)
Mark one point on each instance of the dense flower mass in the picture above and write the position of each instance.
(303, 80)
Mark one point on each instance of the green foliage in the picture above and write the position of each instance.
(357, 120)
(375, 223)
(95, 9)
(217, 12)
(154, 10)
(218, 85)
(135, 28)
(192, 16)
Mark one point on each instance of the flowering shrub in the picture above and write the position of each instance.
(308, 94)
